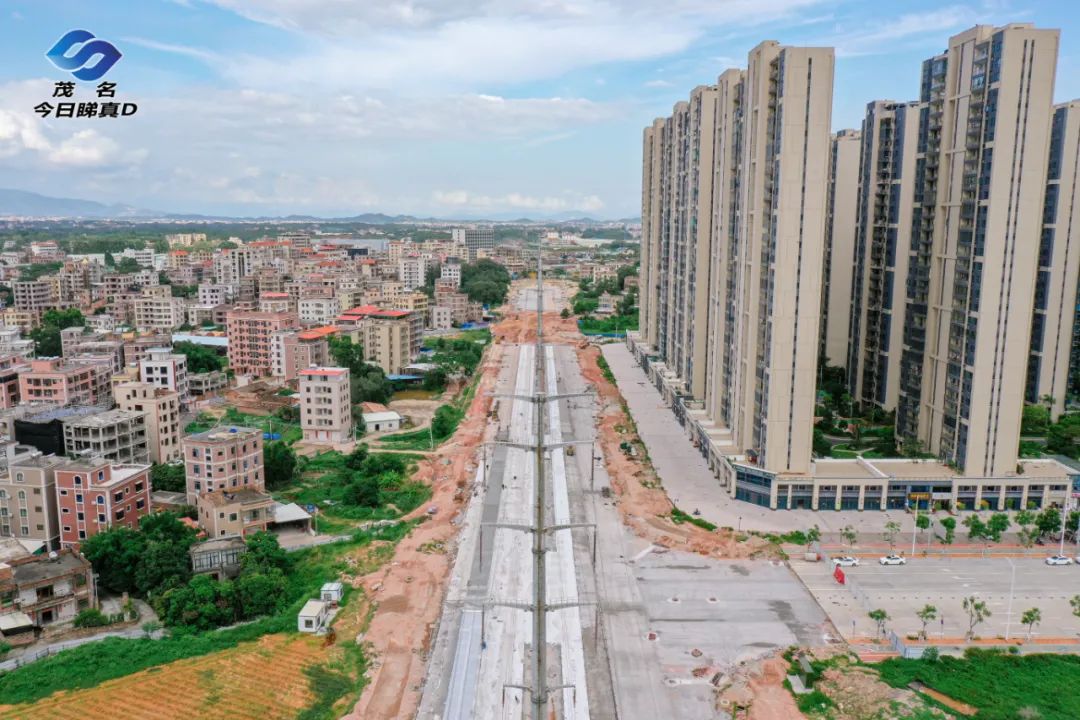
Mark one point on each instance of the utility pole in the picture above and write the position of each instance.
(540, 691)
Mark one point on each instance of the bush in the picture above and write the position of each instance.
(90, 618)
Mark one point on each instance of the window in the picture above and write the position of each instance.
(19, 477)
(232, 517)
(82, 534)
(100, 500)
(22, 495)
(78, 479)
(101, 517)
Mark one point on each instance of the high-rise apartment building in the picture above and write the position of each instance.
(1059, 266)
(886, 189)
(479, 239)
(980, 183)
(841, 220)
(325, 405)
(734, 212)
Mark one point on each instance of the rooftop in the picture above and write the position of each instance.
(224, 433)
(40, 568)
(242, 496)
(317, 333)
(324, 372)
(105, 419)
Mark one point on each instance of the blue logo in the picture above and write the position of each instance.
(82, 64)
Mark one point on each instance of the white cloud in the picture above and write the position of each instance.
(657, 84)
(89, 148)
(463, 199)
(882, 35)
(174, 49)
(19, 132)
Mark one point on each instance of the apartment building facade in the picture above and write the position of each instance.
(166, 369)
(250, 336)
(841, 221)
(28, 509)
(1056, 284)
(58, 382)
(161, 407)
(325, 405)
(227, 458)
(119, 436)
(886, 192)
(981, 177)
(94, 495)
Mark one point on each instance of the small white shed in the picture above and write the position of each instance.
(382, 421)
(312, 616)
(331, 593)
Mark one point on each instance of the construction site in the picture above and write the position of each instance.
(645, 616)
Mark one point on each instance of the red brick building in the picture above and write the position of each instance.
(95, 495)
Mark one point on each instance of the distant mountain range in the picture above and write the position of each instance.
(29, 204)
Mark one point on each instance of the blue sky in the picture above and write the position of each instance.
(451, 108)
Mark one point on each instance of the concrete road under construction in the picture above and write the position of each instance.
(625, 651)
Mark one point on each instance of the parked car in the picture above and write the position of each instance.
(1059, 560)
(846, 561)
(893, 560)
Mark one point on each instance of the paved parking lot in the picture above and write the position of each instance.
(944, 583)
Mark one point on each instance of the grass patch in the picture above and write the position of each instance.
(605, 369)
(592, 325)
(328, 685)
(325, 479)
(416, 394)
(1029, 449)
(443, 425)
(679, 517)
(1001, 685)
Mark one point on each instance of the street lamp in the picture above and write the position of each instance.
(740, 524)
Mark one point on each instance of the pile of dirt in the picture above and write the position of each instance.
(642, 502)
(758, 688)
(859, 694)
(408, 592)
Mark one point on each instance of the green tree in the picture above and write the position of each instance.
(264, 553)
(169, 478)
(128, 265)
(363, 491)
(115, 555)
(922, 521)
(162, 566)
(892, 528)
(565, 313)
(949, 523)
(200, 358)
(46, 337)
(813, 535)
(355, 459)
(485, 281)
(1074, 601)
(279, 463)
(1035, 420)
(997, 525)
(166, 526)
(976, 528)
(927, 615)
(435, 380)
(1049, 521)
(849, 535)
(977, 612)
(1063, 437)
(201, 604)
(1031, 618)
(445, 422)
(90, 618)
(261, 593)
(880, 617)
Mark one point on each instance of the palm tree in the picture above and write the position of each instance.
(1031, 618)
(927, 614)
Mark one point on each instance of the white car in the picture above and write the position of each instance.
(893, 560)
(1059, 560)
(846, 561)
